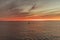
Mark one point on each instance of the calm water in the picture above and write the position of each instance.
(46, 30)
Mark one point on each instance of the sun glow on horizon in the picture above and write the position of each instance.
(34, 18)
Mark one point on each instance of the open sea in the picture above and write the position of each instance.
(29, 30)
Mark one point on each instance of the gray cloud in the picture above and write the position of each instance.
(6, 6)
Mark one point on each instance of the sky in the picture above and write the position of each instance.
(42, 7)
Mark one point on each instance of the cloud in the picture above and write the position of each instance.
(6, 6)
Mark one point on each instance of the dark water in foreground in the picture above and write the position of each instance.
(46, 30)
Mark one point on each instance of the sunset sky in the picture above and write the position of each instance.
(9, 8)
(26, 4)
